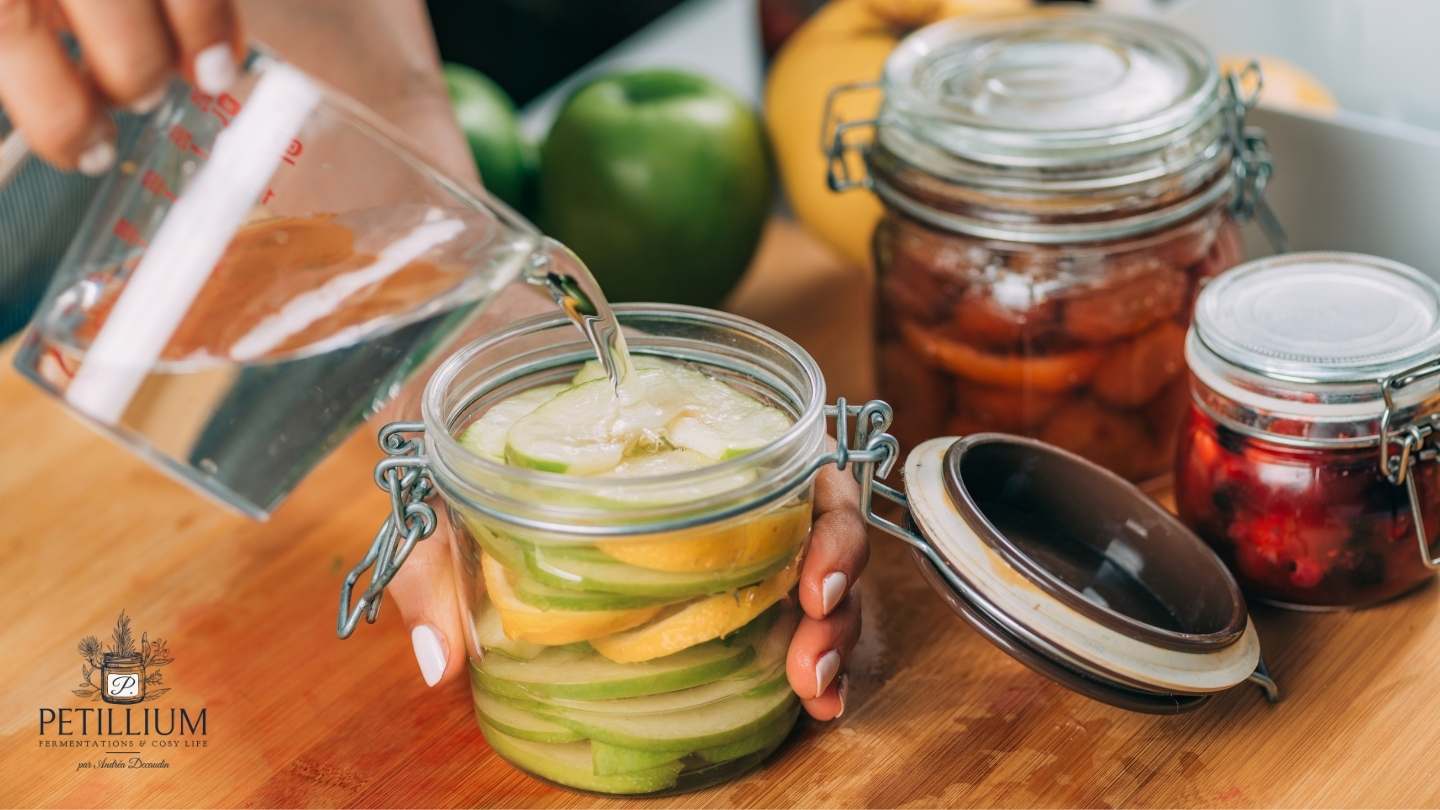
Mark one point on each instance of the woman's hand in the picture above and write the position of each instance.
(131, 48)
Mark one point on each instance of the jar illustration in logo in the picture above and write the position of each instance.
(122, 678)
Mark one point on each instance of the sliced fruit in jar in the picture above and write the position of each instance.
(490, 635)
(1135, 372)
(611, 759)
(742, 543)
(669, 463)
(723, 423)
(737, 683)
(486, 436)
(1005, 409)
(592, 370)
(767, 668)
(765, 739)
(619, 759)
(1128, 307)
(571, 764)
(696, 622)
(524, 622)
(585, 568)
(1003, 314)
(571, 433)
(705, 726)
(518, 722)
(534, 592)
(1052, 373)
(583, 674)
(1112, 439)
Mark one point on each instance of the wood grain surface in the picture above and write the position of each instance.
(937, 716)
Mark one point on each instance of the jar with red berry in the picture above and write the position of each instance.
(1056, 189)
(1305, 460)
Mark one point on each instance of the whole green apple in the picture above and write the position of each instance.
(487, 118)
(660, 181)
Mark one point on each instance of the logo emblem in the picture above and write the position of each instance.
(127, 672)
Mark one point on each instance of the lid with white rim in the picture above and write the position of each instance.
(1297, 345)
(1076, 573)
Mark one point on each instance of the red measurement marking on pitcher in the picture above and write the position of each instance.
(185, 139)
(225, 107)
(152, 182)
(126, 232)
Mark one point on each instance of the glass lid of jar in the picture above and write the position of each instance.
(1075, 572)
(1050, 90)
(1300, 345)
(1321, 317)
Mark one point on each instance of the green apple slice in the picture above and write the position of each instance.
(706, 726)
(609, 759)
(724, 423)
(517, 722)
(490, 635)
(572, 433)
(534, 592)
(486, 435)
(586, 569)
(670, 463)
(746, 680)
(571, 764)
(583, 674)
(587, 429)
(767, 740)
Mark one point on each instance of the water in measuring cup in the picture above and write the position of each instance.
(305, 328)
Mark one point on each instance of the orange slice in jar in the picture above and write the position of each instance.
(1115, 440)
(1136, 371)
(1126, 307)
(919, 393)
(1052, 373)
(696, 622)
(739, 545)
(1005, 409)
(983, 317)
(525, 622)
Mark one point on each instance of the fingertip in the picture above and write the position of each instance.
(216, 68)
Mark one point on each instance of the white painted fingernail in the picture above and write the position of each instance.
(215, 69)
(149, 101)
(832, 587)
(842, 691)
(825, 671)
(97, 158)
(429, 652)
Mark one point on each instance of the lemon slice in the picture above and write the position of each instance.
(696, 622)
(522, 622)
(738, 545)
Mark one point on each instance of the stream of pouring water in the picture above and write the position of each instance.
(569, 282)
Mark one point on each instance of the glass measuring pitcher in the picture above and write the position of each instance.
(258, 275)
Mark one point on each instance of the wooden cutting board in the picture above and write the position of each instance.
(937, 716)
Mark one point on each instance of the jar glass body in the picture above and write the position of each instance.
(1309, 527)
(629, 635)
(1079, 344)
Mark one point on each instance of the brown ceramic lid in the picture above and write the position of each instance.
(1076, 573)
